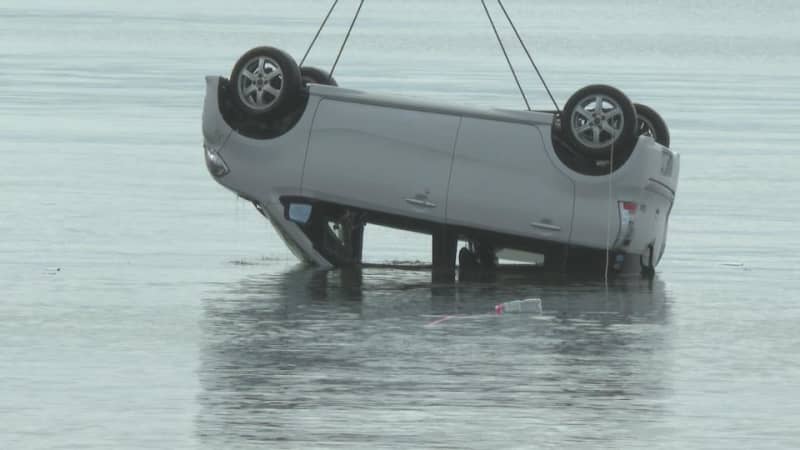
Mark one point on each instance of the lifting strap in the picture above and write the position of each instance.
(494, 29)
(344, 42)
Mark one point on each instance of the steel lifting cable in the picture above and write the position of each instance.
(530, 58)
(346, 37)
(313, 41)
(494, 29)
(608, 213)
(505, 53)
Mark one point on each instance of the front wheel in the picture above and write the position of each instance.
(598, 120)
(267, 82)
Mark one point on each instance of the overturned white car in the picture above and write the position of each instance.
(585, 187)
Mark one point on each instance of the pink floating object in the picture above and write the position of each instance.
(438, 321)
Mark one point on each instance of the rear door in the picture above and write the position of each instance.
(381, 158)
(503, 181)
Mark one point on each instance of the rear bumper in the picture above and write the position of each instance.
(649, 180)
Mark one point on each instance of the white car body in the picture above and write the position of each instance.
(418, 165)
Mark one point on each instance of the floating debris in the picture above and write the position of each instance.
(528, 305)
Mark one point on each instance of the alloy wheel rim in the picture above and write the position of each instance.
(260, 83)
(597, 121)
(646, 128)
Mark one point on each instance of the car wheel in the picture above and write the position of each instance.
(266, 82)
(598, 119)
(318, 76)
(651, 124)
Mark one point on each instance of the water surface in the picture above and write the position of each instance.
(144, 306)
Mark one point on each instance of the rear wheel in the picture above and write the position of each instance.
(318, 76)
(266, 82)
(651, 124)
(597, 120)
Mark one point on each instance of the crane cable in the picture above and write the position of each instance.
(313, 41)
(346, 37)
(530, 58)
(505, 53)
(344, 42)
(494, 29)
(610, 207)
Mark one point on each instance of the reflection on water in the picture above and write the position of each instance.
(348, 358)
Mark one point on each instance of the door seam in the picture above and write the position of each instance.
(452, 165)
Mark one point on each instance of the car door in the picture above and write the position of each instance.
(381, 157)
(504, 181)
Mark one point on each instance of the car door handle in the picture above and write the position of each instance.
(546, 226)
(421, 202)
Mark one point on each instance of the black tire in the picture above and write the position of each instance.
(261, 92)
(651, 124)
(586, 130)
(318, 76)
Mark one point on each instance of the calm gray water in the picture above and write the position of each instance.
(143, 306)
